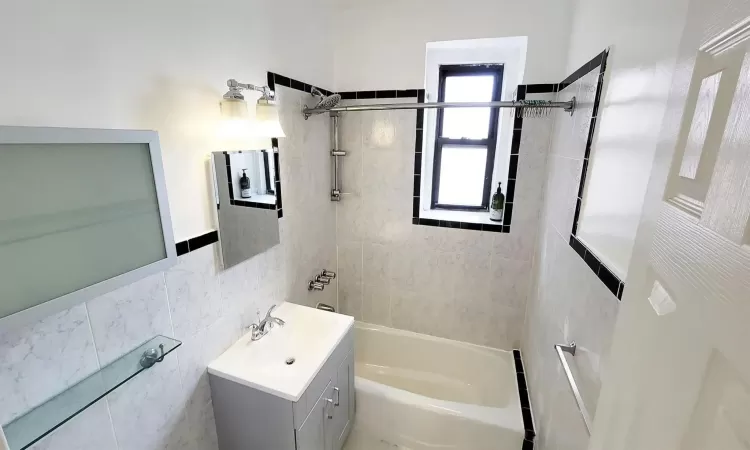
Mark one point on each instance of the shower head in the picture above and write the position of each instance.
(325, 102)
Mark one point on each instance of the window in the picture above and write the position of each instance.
(466, 138)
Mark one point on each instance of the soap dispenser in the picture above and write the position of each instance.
(497, 205)
(244, 185)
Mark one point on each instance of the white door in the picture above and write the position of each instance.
(679, 371)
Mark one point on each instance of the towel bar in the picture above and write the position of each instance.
(561, 350)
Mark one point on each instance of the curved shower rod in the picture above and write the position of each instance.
(528, 108)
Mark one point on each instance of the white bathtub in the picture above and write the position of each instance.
(419, 392)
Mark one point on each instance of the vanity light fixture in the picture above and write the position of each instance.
(238, 130)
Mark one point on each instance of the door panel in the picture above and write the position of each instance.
(343, 406)
(679, 369)
(312, 434)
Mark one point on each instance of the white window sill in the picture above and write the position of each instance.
(482, 217)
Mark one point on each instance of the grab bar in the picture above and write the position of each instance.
(561, 350)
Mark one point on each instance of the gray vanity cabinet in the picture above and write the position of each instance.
(251, 419)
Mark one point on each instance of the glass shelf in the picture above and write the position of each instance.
(28, 429)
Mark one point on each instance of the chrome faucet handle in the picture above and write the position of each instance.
(323, 280)
(315, 286)
(328, 274)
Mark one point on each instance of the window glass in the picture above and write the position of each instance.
(462, 175)
(471, 123)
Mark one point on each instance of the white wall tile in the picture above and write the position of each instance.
(42, 359)
(123, 319)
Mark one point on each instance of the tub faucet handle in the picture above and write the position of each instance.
(328, 274)
(315, 286)
(323, 280)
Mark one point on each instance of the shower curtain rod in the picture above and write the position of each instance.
(568, 106)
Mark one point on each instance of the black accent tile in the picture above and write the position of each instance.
(519, 364)
(515, 144)
(492, 228)
(275, 142)
(418, 141)
(420, 119)
(584, 172)
(609, 279)
(281, 80)
(471, 226)
(517, 122)
(182, 248)
(508, 213)
(521, 92)
(280, 213)
(541, 88)
(592, 64)
(578, 247)
(417, 163)
(270, 81)
(598, 96)
(407, 93)
(386, 94)
(348, 95)
(450, 224)
(417, 185)
(364, 95)
(527, 420)
(421, 93)
(506, 228)
(227, 160)
(231, 202)
(204, 240)
(415, 207)
(278, 194)
(524, 397)
(298, 85)
(521, 381)
(575, 216)
(620, 291)
(513, 167)
(510, 191)
(590, 138)
(527, 444)
(516, 354)
(529, 435)
(415, 221)
(592, 261)
(429, 222)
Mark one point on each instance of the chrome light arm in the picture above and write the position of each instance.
(236, 88)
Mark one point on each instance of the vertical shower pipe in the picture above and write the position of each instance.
(336, 152)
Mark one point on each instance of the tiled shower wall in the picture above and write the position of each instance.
(459, 284)
(169, 406)
(569, 302)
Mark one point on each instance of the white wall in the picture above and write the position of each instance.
(154, 65)
(643, 36)
(381, 45)
(164, 66)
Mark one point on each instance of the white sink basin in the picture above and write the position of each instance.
(309, 337)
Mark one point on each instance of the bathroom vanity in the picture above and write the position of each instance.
(291, 389)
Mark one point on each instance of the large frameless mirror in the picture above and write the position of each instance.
(248, 203)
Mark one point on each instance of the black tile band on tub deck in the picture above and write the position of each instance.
(197, 242)
(523, 396)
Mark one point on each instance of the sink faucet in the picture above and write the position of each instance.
(262, 328)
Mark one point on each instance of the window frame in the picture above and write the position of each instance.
(490, 142)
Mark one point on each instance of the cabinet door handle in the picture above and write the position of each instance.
(330, 402)
(338, 396)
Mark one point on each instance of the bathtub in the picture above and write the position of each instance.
(418, 392)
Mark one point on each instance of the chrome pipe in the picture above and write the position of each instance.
(568, 106)
(561, 350)
(335, 153)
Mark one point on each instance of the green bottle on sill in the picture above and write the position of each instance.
(497, 204)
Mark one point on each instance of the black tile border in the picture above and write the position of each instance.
(610, 280)
(277, 187)
(193, 244)
(523, 395)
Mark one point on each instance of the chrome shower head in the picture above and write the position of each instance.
(325, 102)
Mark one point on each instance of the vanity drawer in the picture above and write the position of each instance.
(317, 387)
